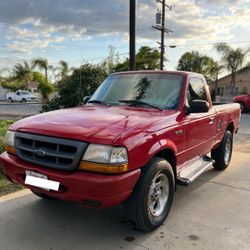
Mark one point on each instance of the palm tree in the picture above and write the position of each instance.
(215, 70)
(22, 72)
(195, 62)
(233, 60)
(43, 65)
(64, 69)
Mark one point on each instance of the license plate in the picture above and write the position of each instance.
(40, 181)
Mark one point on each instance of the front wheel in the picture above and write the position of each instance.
(152, 198)
(24, 100)
(222, 155)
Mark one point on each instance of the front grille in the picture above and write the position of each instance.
(49, 152)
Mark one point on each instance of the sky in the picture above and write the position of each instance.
(82, 30)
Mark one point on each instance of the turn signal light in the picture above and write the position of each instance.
(103, 168)
(10, 149)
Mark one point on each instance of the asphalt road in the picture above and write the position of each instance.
(212, 213)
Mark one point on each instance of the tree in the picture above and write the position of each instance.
(71, 89)
(43, 65)
(14, 85)
(146, 59)
(232, 59)
(195, 62)
(22, 72)
(45, 88)
(215, 70)
(64, 69)
(111, 61)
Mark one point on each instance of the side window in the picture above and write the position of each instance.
(18, 93)
(196, 90)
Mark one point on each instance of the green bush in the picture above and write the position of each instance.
(14, 85)
(71, 89)
(3, 128)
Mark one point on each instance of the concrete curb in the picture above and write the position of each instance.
(15, 195)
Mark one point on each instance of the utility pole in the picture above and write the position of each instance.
(163, 35)
(160, 25)
(132, 35)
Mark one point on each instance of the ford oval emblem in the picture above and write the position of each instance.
(40, 153)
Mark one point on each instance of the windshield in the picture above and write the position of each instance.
(158, 90)
(25, 93)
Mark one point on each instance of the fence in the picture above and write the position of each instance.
(19, 109)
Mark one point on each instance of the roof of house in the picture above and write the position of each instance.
(244, 69)
(33, 85)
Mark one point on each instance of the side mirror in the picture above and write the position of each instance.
(198, 106)
(86, 99)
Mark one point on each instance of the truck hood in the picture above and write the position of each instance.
(96, 124)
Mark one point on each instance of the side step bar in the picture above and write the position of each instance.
(193, 171)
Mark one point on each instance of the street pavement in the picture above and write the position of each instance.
(211, 213)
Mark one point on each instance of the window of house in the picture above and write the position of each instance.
(236, 92)
(244, 90)
(222, 91)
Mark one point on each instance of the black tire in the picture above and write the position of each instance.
(222, 154)
(242, 107)
(138, 207)
(42, 195)
(10, 99)
(24, 100)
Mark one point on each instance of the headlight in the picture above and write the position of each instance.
(118, 155)
(105, 154)
(97, 153)
(9, 142)
(105, 159)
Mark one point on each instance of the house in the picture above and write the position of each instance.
(242, 85)
(33, 87)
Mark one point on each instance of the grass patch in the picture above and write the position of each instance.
(6, 187)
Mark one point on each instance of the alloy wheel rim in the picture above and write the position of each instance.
(158, 195)
(227, 151)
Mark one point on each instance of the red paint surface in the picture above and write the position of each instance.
(245, 99)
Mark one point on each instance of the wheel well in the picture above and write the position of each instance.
(241, 102)
(168, 155)
(230, 127)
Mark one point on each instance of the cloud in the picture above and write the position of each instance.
(26, 25)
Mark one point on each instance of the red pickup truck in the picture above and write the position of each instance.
(244, 101)
(138, 136)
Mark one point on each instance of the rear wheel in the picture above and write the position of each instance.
(10, 99)
(152, 198)
(222, 155)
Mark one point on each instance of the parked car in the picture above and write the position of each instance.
(244, 101)
(138, 136)
(20, 96)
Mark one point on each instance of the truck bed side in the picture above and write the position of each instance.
(228, 116)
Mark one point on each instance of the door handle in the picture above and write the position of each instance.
(211, 120)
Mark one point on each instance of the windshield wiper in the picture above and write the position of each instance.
(138, 102)
(99, 102)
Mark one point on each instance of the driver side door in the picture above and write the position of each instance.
(201, 127)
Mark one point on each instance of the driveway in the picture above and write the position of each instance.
(212, 213)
